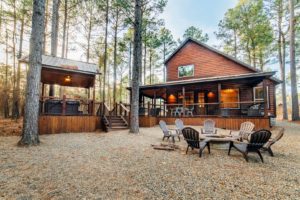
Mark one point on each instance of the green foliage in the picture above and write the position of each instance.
(196, 34)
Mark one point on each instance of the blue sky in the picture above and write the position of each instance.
(204, 14)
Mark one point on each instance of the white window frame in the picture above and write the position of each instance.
(261, 100)
(186, 66)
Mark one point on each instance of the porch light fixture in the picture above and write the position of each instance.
(68, 79)
(210, 95)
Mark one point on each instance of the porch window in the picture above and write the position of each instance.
(189, 97)
(185, 71)
(230, 98)
(258, 94)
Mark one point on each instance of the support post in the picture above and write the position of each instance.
(183, 100)
(94, 97)
(265, 98)
(219, 97)
(42, 99)
(64, 106)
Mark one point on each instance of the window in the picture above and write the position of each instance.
(258, 94)
(230, 98)
(189, 97)
(185, 71)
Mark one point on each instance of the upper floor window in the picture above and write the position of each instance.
(185, 71)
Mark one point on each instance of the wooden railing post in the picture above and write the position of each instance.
(219, 97)
(183, 100)
(265, 98)
(64, 105)
(148, 109)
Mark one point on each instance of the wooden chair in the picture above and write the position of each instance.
(191, 136)
(209, 127)
(267, 146)
(246, 129)
(167, 132)
(257, 140)
(179, 125)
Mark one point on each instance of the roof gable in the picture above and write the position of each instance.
(188, 40)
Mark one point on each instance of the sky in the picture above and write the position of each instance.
(203, 14)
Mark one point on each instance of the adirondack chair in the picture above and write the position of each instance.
(245, 130)
(191, 136)
(167, 132)
(267, 146)
(179, 125)
(257, 140)
(209, 127)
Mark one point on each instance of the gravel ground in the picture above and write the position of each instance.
(118, 165)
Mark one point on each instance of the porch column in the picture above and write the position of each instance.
(154, 99)
(183, 100)
(219, 97)
(265, 97)
(94, 103)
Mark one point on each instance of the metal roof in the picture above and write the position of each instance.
(66, 64)
(209, 79)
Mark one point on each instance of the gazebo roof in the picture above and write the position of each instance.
(66, 64)
(55, 70)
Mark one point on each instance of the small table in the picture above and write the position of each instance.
(216, 138)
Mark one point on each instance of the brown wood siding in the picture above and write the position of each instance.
(146, 121)
(230, 123)
(206, 63)
(68, 124)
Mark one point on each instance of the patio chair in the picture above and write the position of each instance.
(267, 146)
(191, 136)
(209, 127)
(189, 111)
(167, 132)
(246, 129)
(179, 125)
(257, 140)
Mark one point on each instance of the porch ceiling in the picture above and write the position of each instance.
(159, 90)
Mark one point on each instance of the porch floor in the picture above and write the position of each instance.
(118, 165)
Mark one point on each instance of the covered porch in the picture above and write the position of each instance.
(71, 106)
(228, 100)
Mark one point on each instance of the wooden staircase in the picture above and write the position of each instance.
(115, 119)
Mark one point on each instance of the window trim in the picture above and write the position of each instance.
(186, 66)
(239, 105)
(260, 100)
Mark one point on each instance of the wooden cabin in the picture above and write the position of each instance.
(201, 83)
(62, 113)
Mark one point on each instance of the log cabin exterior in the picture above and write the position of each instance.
(202, 82)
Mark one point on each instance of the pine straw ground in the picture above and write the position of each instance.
(118, 165)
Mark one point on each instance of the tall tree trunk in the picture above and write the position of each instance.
(145, 63)
(46, 27)
(64, 29)
(105, 50)
(89, 39)
(150, 66)
(67, 40)
(17, 99)
(164, 67)
(115, 56)
(129, 65)
(281, 58)
(137, 65)
(54, 35)
(6, 96)
(235, 43)
(30, 135)
(293, 71)
(14, 108)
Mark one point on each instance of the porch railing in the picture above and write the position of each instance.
(245, 108)
(67, 106)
